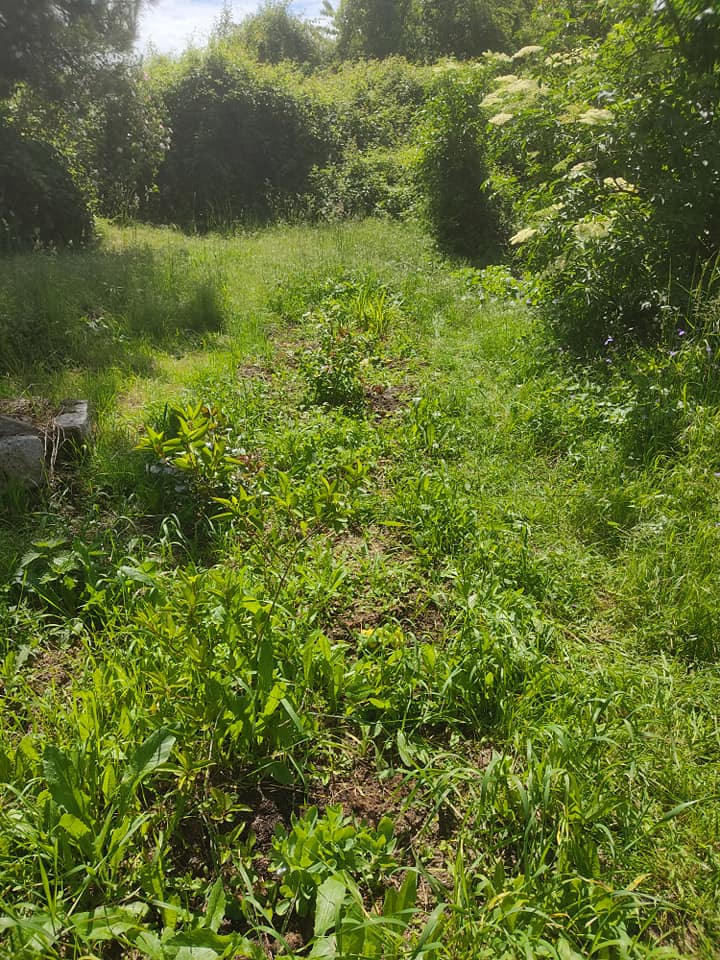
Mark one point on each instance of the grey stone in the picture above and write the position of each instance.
(74, 422)
(22, 460)
(17, 427)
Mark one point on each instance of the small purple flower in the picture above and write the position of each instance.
(609, 341)
(681, 333)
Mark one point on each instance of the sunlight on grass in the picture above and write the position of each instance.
(385, 643)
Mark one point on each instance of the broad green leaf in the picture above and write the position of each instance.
(197, 953)
(74, 826)
(60, 775)
(324, 949)
(402, 900)
(215, 910)
(103, 924)
(330, 898)
(150, 946)
(151, 754)
(280, 772)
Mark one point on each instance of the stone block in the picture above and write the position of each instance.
(22, 460)
(74, 422)
(17, 427)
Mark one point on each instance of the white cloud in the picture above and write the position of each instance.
(169, 25)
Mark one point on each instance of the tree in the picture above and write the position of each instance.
(273, 34)
(426, 30)
(54, 60)
(374, 29)
(47, 42)
(459, 28)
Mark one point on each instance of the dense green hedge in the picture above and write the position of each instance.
(242, 140)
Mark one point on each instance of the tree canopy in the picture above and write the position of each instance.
(46, 42)
(425, 30)
(273, 34)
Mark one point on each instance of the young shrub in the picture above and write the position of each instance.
(332, 370)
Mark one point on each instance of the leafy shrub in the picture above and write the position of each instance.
(126, 139)
(452, 168)
(192, 461)
(319, 847)
(372, 103)
(332, 370)
(602, 152)
(376, 181)
(40, 204)
(244, 138)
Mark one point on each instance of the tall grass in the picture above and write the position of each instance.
(473, 607)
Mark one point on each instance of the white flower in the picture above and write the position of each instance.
(500, 118)
(526, 51)
(619, 183)
(594, 116)
(581, 168)
(588, 230)
(522, 235)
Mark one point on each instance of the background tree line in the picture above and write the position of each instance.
(582, 138)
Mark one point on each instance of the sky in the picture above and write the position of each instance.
(169, 24)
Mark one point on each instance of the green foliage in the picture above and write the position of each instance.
(40, 204)
(126, 138)
(443, 681)
(332, 368)
(603, 151)
(51, 43)
(374, 181)
(371, 29)
(55, 313)
(317, 848)
(425, 30)
(243, 141)
(452, 168)
(372, 104)
(58, 574)
(192, 458)
(273, 34)
(350, 323)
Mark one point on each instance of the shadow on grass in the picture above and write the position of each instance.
(96, 310)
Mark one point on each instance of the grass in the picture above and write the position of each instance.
(398, 640)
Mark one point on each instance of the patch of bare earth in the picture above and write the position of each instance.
(384, 400)
(53, 667)
(255, 371)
